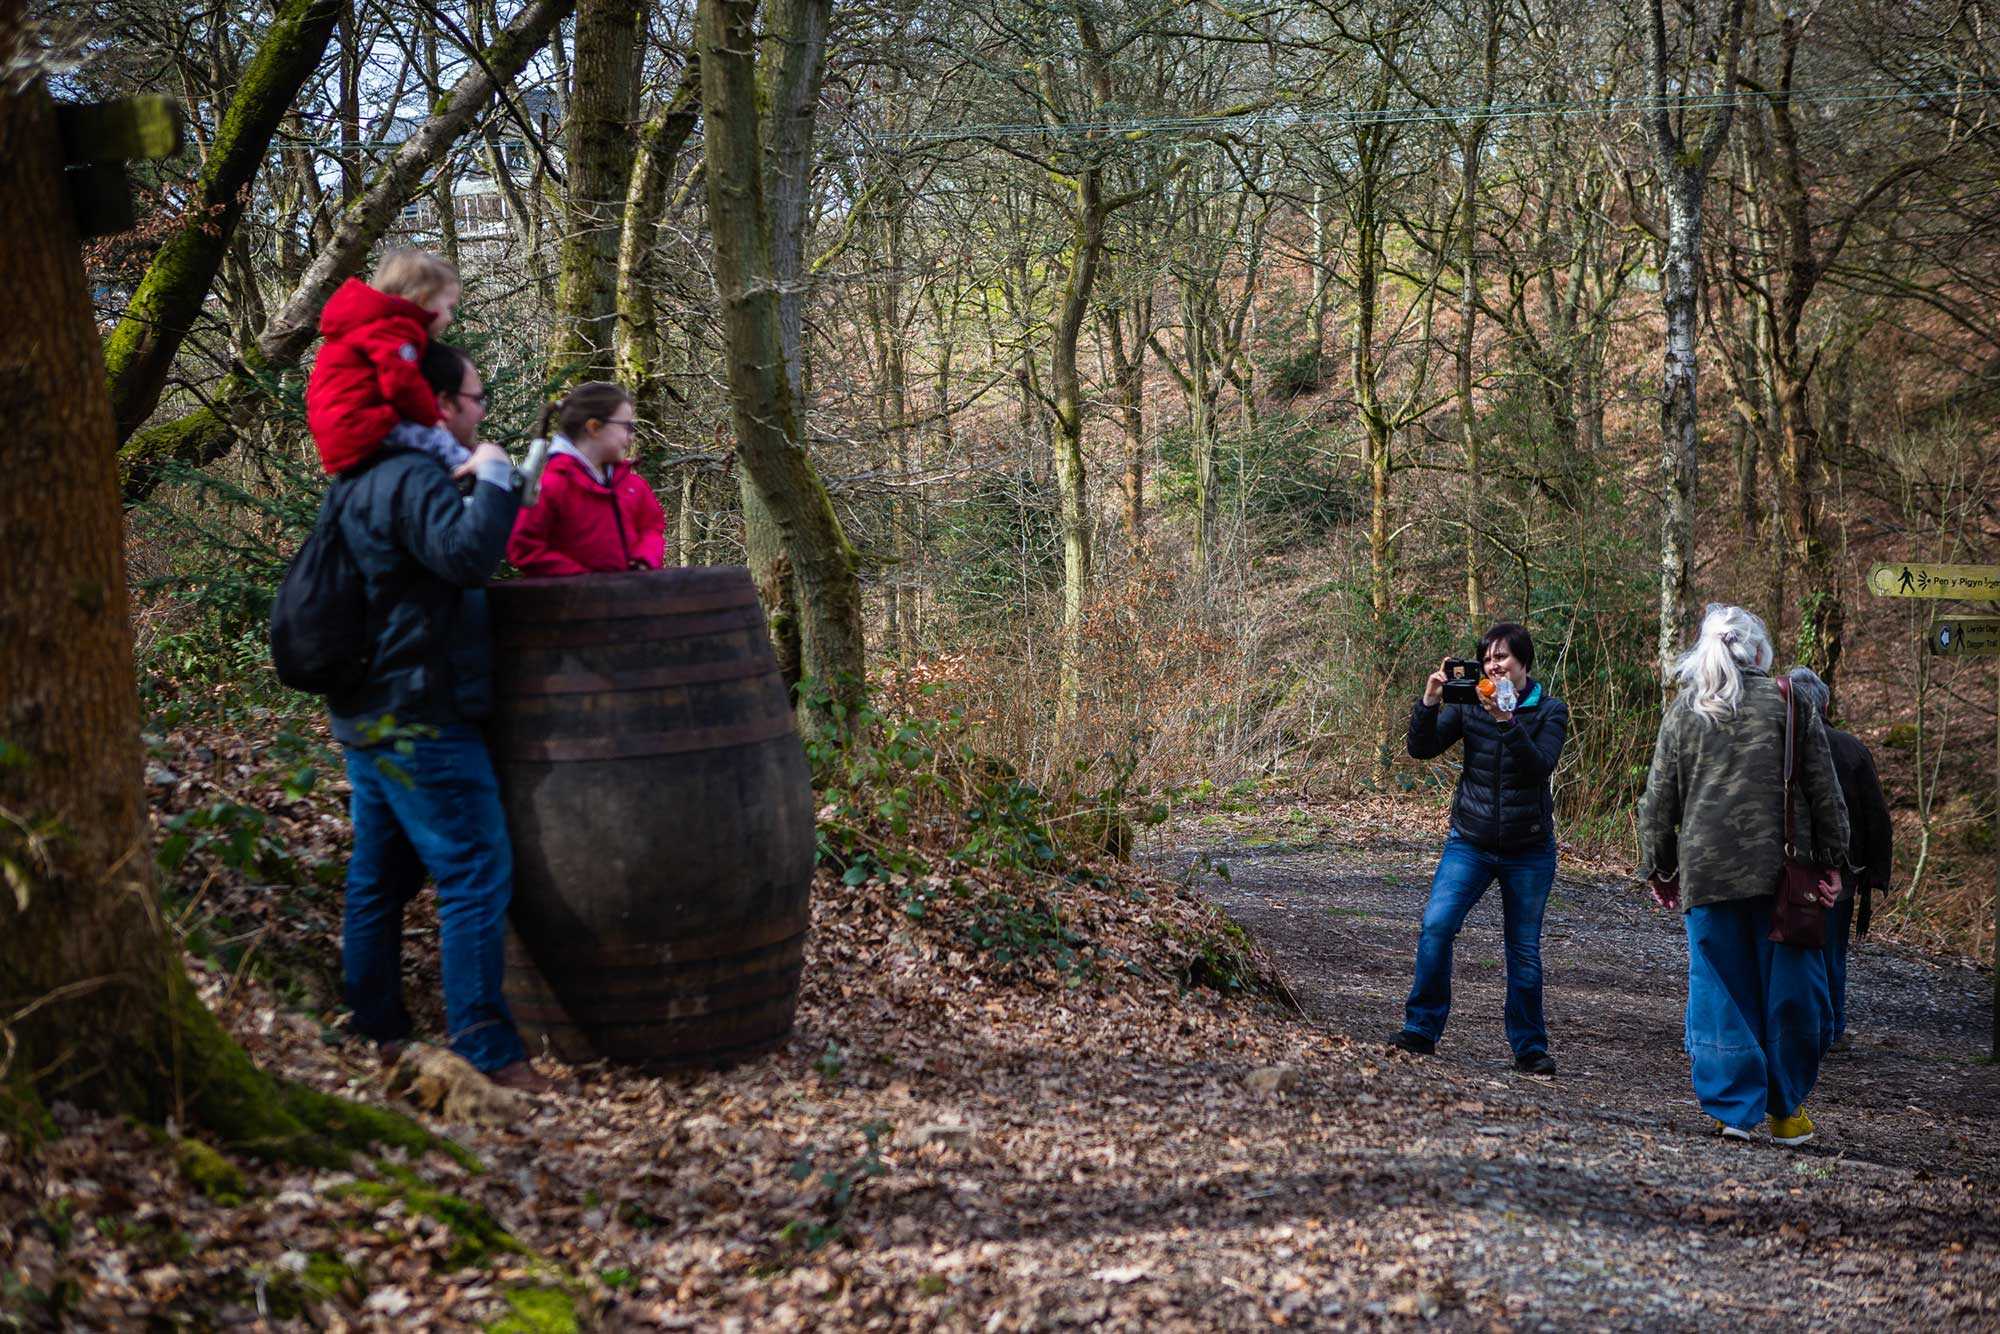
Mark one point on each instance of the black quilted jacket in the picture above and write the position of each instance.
(1503, 802)
(426, 555)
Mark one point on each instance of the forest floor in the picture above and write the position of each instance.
(983, 1122)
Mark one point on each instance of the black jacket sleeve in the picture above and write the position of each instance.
(1536, 749)
(1873, 834)
(460, 543)
(1434, 729)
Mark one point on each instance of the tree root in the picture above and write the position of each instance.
(222, 1091)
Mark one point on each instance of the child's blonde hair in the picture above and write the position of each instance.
(415, 275)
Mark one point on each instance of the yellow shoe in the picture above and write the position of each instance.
(1793, 1130)
(1730, 1132)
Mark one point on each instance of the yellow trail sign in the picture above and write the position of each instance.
(1966, 634)
(1906, 579)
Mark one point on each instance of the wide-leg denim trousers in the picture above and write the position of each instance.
(1464, 872)
(433, 806)
(1758, 1014)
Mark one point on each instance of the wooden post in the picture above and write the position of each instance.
(98, 139)
(131, 129)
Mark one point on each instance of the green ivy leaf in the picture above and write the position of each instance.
(173, 851)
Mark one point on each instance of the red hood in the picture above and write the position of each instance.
(356, 304)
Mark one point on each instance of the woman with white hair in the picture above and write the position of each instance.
(1712, 842)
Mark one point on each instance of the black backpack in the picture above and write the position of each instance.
(321, 638)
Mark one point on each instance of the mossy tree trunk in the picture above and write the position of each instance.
(778, 471)
(1471, 144)
(140, 352)
(807, 572)
(1380, 434)
(1390, 362)
(788, 75)
(444, 186)
(95, 1006)
(209, 433)
(604, 107)
(1374, 143)
(1128, 376)
(1078, 84)
(1794, 260)
(1086, 250)
(1082, 186)
(638, 327)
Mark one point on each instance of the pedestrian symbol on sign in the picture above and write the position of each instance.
(1908, 582)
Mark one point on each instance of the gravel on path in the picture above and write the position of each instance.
(1617, 1209)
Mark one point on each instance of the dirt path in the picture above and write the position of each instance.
(1616, 1211)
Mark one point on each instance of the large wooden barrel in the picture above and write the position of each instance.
(661, 813)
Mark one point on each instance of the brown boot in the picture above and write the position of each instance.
(523, 1078)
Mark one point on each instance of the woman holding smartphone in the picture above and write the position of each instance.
(1502, 828)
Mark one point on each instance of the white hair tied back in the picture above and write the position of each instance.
(1711, 673)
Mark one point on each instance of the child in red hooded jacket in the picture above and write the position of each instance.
(594, 514)
(365, 382)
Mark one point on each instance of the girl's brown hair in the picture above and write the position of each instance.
(594, 399)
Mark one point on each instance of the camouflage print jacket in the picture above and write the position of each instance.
(1714, 805)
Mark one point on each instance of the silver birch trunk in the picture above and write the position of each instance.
(1684, 174)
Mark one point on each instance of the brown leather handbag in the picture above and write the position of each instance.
(1798, 918)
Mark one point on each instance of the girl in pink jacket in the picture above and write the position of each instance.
(595, 514)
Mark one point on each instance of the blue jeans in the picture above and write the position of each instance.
(437, 810)
(1839, 927)
(1463, 874)
(1757, 1014)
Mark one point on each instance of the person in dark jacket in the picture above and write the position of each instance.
(1870, 844)
(1502, 828)
(425, 797)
